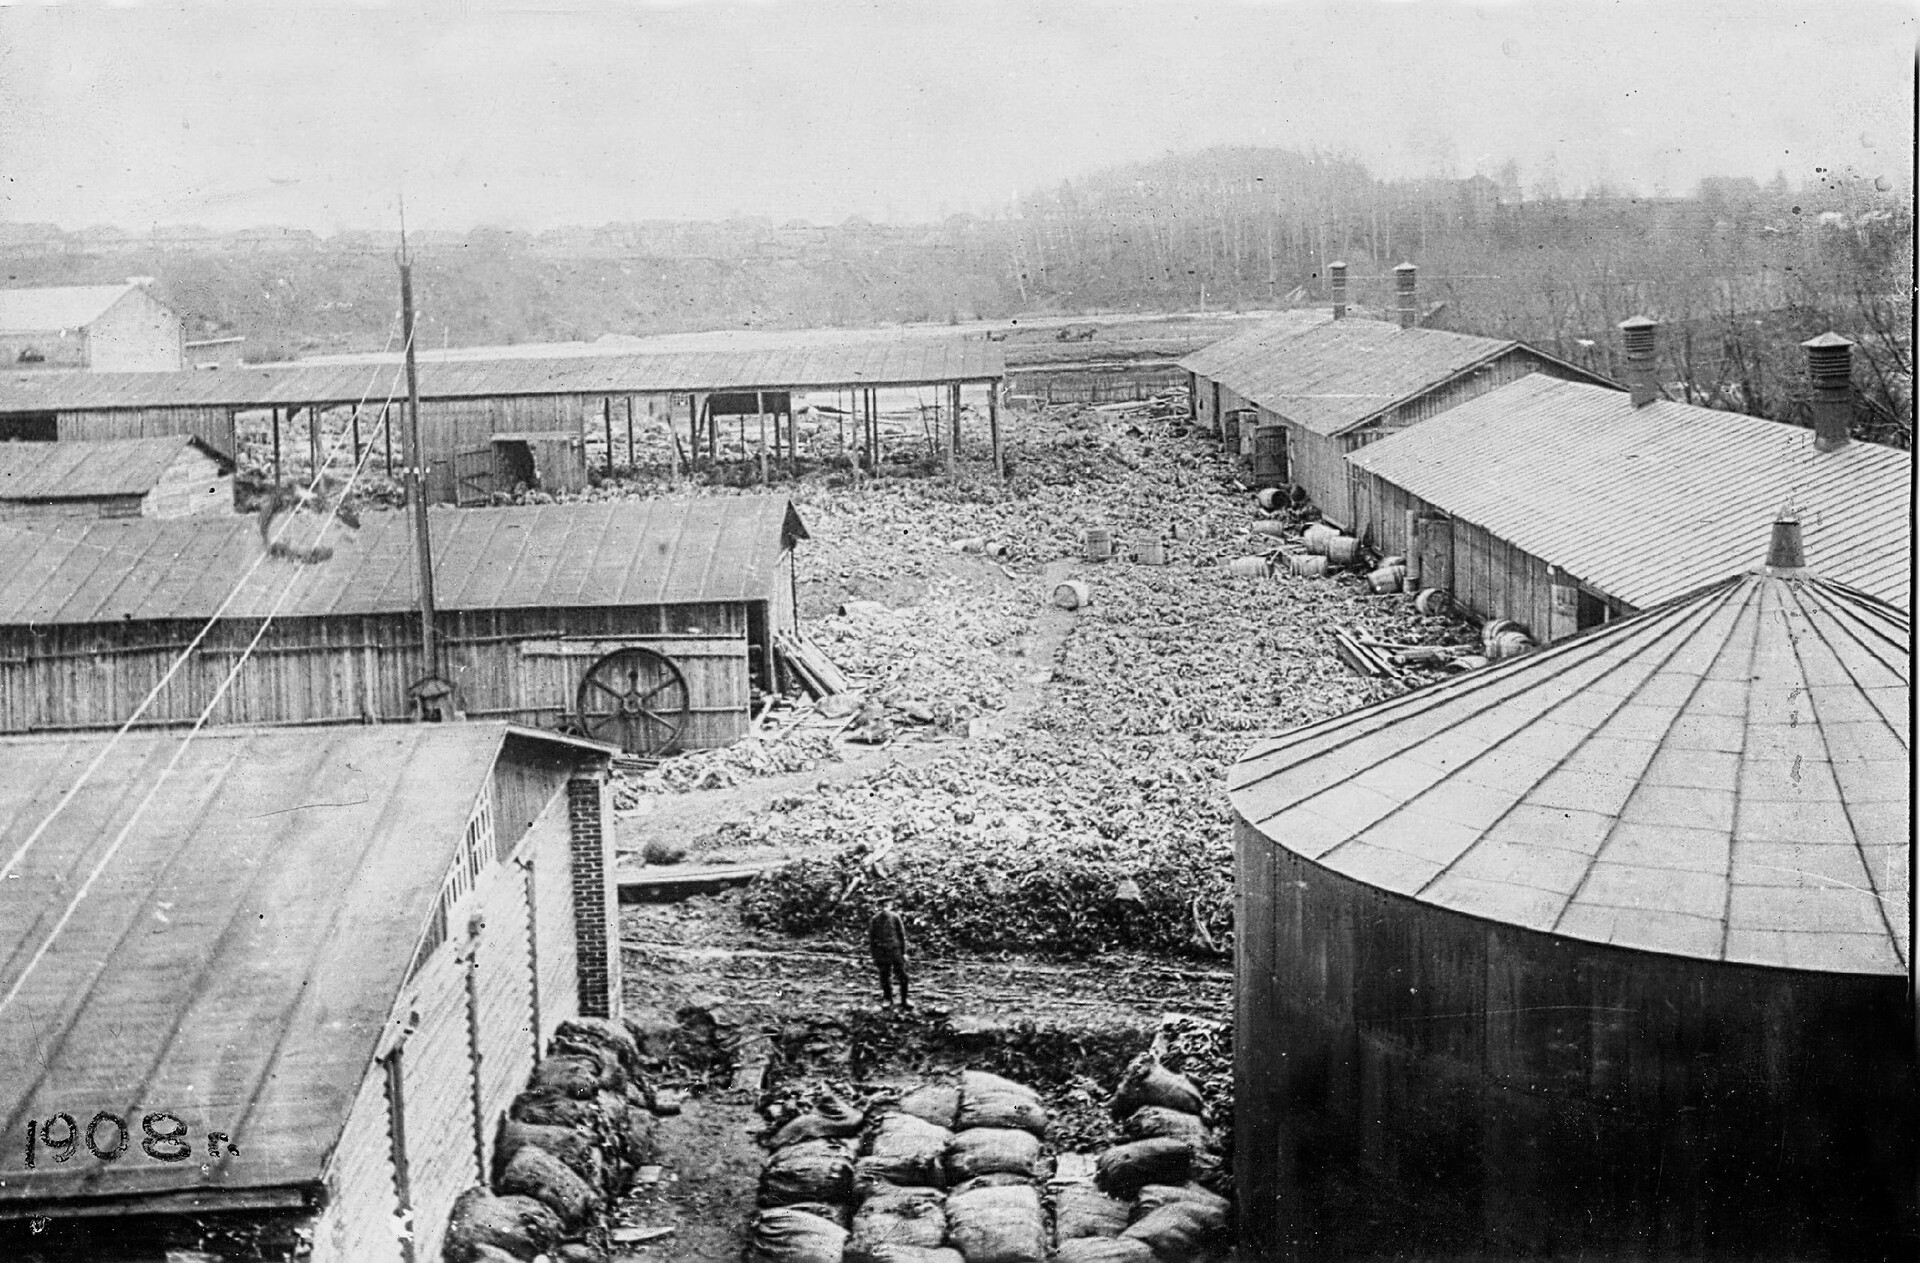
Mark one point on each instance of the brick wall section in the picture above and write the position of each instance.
(596, 900)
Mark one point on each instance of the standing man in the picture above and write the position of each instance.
(887, 940)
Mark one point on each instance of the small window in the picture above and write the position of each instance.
(31, 355)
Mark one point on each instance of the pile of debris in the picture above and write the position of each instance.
(567, 1148)
(961, 1172)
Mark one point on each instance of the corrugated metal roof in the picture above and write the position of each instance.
(83, 470)
(1335, 374)
(1647, 503)
(1724, 778)
(907, 362)
(1217, 357)
(620, 552)
(56, 308)
(236, 958)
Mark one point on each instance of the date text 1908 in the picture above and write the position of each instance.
(108, 1137)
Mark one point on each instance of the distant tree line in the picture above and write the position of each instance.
(1737, 273)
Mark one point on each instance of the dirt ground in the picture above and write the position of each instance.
(1110, 728)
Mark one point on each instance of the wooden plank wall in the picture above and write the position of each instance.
(452, 426)
(358, 667)
(212, 426)
(437, 1072)
(361, 1203)
(556, 948)
(1319, 464)
(504, 961)
(1492, 578)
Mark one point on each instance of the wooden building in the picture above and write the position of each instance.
(1560, 504)
(488, 426)
(649, 623)
(174, 476)
(1602, 952)
(324, 959)
(1336, 385)
(97, 328)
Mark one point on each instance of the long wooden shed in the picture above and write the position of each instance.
(1334, 386)
(1560, 504)
(171, 476)
(1602, 952)
(271, 991)
(651, 623)
(486, 425)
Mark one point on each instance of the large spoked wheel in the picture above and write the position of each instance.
(637, 699)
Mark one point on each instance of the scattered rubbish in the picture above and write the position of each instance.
(1073, 594)
(1250, 567)
(637, 1235)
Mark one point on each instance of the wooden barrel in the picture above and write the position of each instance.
(1316, 536)
(1096, 543)
(1270, 528)
(1491, 631)
(1308, 566)
(1432, 602)
(1152, 552)
(1387, 579)
(1343, 550)
(1230, 431)
(1271, 499)
(1468, 661)
(1511, 644)
(1269, 456)
(1250, 567)
(1072, 595)
(1394, 559)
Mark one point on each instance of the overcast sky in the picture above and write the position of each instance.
(534, 114)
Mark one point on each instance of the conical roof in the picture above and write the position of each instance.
(1724, 777)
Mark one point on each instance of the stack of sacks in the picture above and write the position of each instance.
(1140, 1206)
(806, 1188)
(994, 1213)
(567, 1146)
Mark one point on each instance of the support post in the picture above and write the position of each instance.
(356, 436)
(386, 434)
(606, 413)
(993, 425)
(760, 407)
(313, 440)
(673, 442)
(276, 445)
(631, 463)
(955, 409)
(416, 485)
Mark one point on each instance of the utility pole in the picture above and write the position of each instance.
(416, 474)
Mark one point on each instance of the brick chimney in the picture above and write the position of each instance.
(1830, 371)
(1404, 297)
(1337, 278)
(1643, 372)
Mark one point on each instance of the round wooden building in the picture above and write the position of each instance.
(1603, 951)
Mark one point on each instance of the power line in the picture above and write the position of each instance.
(173, 669)
(180, 751)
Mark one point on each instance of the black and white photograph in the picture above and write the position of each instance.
(960, 631)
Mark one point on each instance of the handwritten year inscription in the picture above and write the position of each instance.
(108, 1138)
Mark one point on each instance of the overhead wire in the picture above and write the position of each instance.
(174, 668)
(180, 750)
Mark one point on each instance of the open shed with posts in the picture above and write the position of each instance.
(653, 624)
(1313, 394)
(270, 992)
(1560, 505)
(1601, 952)
(489, 426)
(173, 476)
